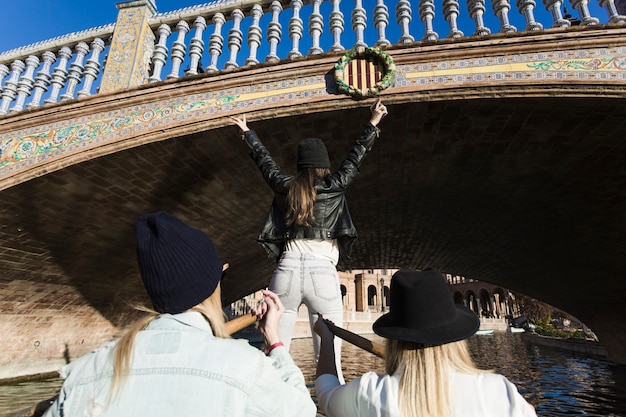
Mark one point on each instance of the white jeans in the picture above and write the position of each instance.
(301, 278)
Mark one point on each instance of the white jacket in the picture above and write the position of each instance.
(373, 395)
(179, 368)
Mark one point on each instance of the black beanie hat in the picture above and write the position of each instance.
(179, 265)
(312, 153)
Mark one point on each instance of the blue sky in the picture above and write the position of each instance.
(23, 22)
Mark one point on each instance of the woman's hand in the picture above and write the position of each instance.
(241, 122)
(326, 360)
(321, 328)
(269, 312)
(379, 111)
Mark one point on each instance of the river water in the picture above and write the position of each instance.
(556, 382)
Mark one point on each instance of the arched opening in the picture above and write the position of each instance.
(372, 297)
(471, 302)
(501, 303)
(485, 304)
(344, 296)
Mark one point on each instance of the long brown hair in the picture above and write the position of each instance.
(301, 196)
(425, 375)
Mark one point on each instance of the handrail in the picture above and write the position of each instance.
(226, 34)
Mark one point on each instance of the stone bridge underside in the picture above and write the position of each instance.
(525, 192)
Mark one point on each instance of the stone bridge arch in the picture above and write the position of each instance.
(511, 175)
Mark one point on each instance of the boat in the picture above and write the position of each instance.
(513, 329)
(484, 332)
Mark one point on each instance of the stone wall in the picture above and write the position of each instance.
(43, 326)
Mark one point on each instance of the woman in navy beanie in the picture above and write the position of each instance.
(180, 360)
(308, 223)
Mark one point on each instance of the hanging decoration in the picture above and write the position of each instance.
(364, 72)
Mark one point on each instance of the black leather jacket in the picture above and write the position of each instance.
(331, 212)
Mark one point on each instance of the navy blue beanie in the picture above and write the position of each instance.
(179, 265)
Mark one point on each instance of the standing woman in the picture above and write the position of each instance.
(309, 223)
(428, 368)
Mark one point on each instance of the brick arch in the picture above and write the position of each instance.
(516, 182)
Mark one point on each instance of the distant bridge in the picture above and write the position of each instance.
(501, 158)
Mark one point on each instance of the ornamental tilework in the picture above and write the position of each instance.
(601, 63)
(133, 38)
(37, 145)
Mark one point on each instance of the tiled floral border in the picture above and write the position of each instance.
(40, 144)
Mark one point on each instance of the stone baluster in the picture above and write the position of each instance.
(381, 21)
(427, 14)
(527, 8)
(216, 42)
(451, 14)
(316, 25)
(76, 71)
(274, 31)
(359, 23)
(235, 39)
(403, 16)
(92, 67)
(296, 28)
(254, 34)
(42, 81)
(336, 26)
(4, 71)
(611, 8)
(196, 46)
(554, 7)
(476, 9)
(178, 49)
(501, 9)
(159, 58)
(10, 86)
(25, 85)
(59, 75)
(583, 10)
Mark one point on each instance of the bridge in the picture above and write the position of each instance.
(500, 160)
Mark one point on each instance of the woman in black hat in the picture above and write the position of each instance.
(308, 223)
(429, 370)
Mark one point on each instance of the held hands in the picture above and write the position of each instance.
(241, 122)
(379, 111)
(269, 311)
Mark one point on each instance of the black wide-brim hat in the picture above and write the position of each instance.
(422, 310)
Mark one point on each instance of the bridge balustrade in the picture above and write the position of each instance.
(248, 33)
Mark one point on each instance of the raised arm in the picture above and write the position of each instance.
(290, 396)
(241, 123)
(379, 110)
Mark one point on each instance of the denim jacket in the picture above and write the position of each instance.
(333, 220)
(179, 368)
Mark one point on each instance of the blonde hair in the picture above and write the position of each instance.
(301, 196)
(210, 308)
(424, 373)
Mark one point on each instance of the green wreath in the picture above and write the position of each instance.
(380, 55)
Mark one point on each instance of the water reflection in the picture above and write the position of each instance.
(556, 382)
